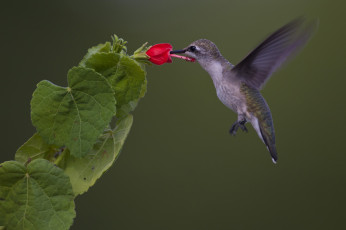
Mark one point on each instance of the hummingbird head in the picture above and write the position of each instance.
(202, 50)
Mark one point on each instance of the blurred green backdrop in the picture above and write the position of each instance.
(180, 169)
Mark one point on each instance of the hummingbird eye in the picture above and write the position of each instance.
(192, 48)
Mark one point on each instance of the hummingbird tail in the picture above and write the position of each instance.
(273, 154)
(260, 118)
(271, 148)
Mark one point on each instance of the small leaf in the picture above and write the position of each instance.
(38, 196)
(36, 148)
(124, 74)
(74, 116)
(84, 172)
(106, 47)
(119, 45)
(103, 63)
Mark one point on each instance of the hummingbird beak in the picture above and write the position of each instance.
(177, 51)
(174, 52)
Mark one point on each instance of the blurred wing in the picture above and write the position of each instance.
(257, 67)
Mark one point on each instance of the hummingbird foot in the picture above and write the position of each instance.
(237, 125)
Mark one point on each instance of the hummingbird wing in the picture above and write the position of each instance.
(256, 68)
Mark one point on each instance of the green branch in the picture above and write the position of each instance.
(74, 144)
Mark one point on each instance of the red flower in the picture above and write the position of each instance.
(159, 53)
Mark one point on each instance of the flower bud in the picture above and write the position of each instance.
(159, 53)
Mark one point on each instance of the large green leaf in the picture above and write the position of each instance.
(36, 197)
(124, 74)
(36, 148)
(74, 116)
(84, 172)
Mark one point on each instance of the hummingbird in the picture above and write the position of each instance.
(238, 87)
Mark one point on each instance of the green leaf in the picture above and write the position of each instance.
(84, 172)
(125, 75)
(129, 83)
(103, 63)
(74, 116)
(36, 148)
(106, 47)
(38, 196)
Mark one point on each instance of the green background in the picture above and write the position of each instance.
(179, 168)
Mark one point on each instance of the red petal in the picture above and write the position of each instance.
(159, 49)
(158, 61)
(159, 53)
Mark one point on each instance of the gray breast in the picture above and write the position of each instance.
(230, 96)
(227, 88)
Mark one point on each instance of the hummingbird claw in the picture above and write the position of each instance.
(234, 129)
(243, 127)
(236, 126)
